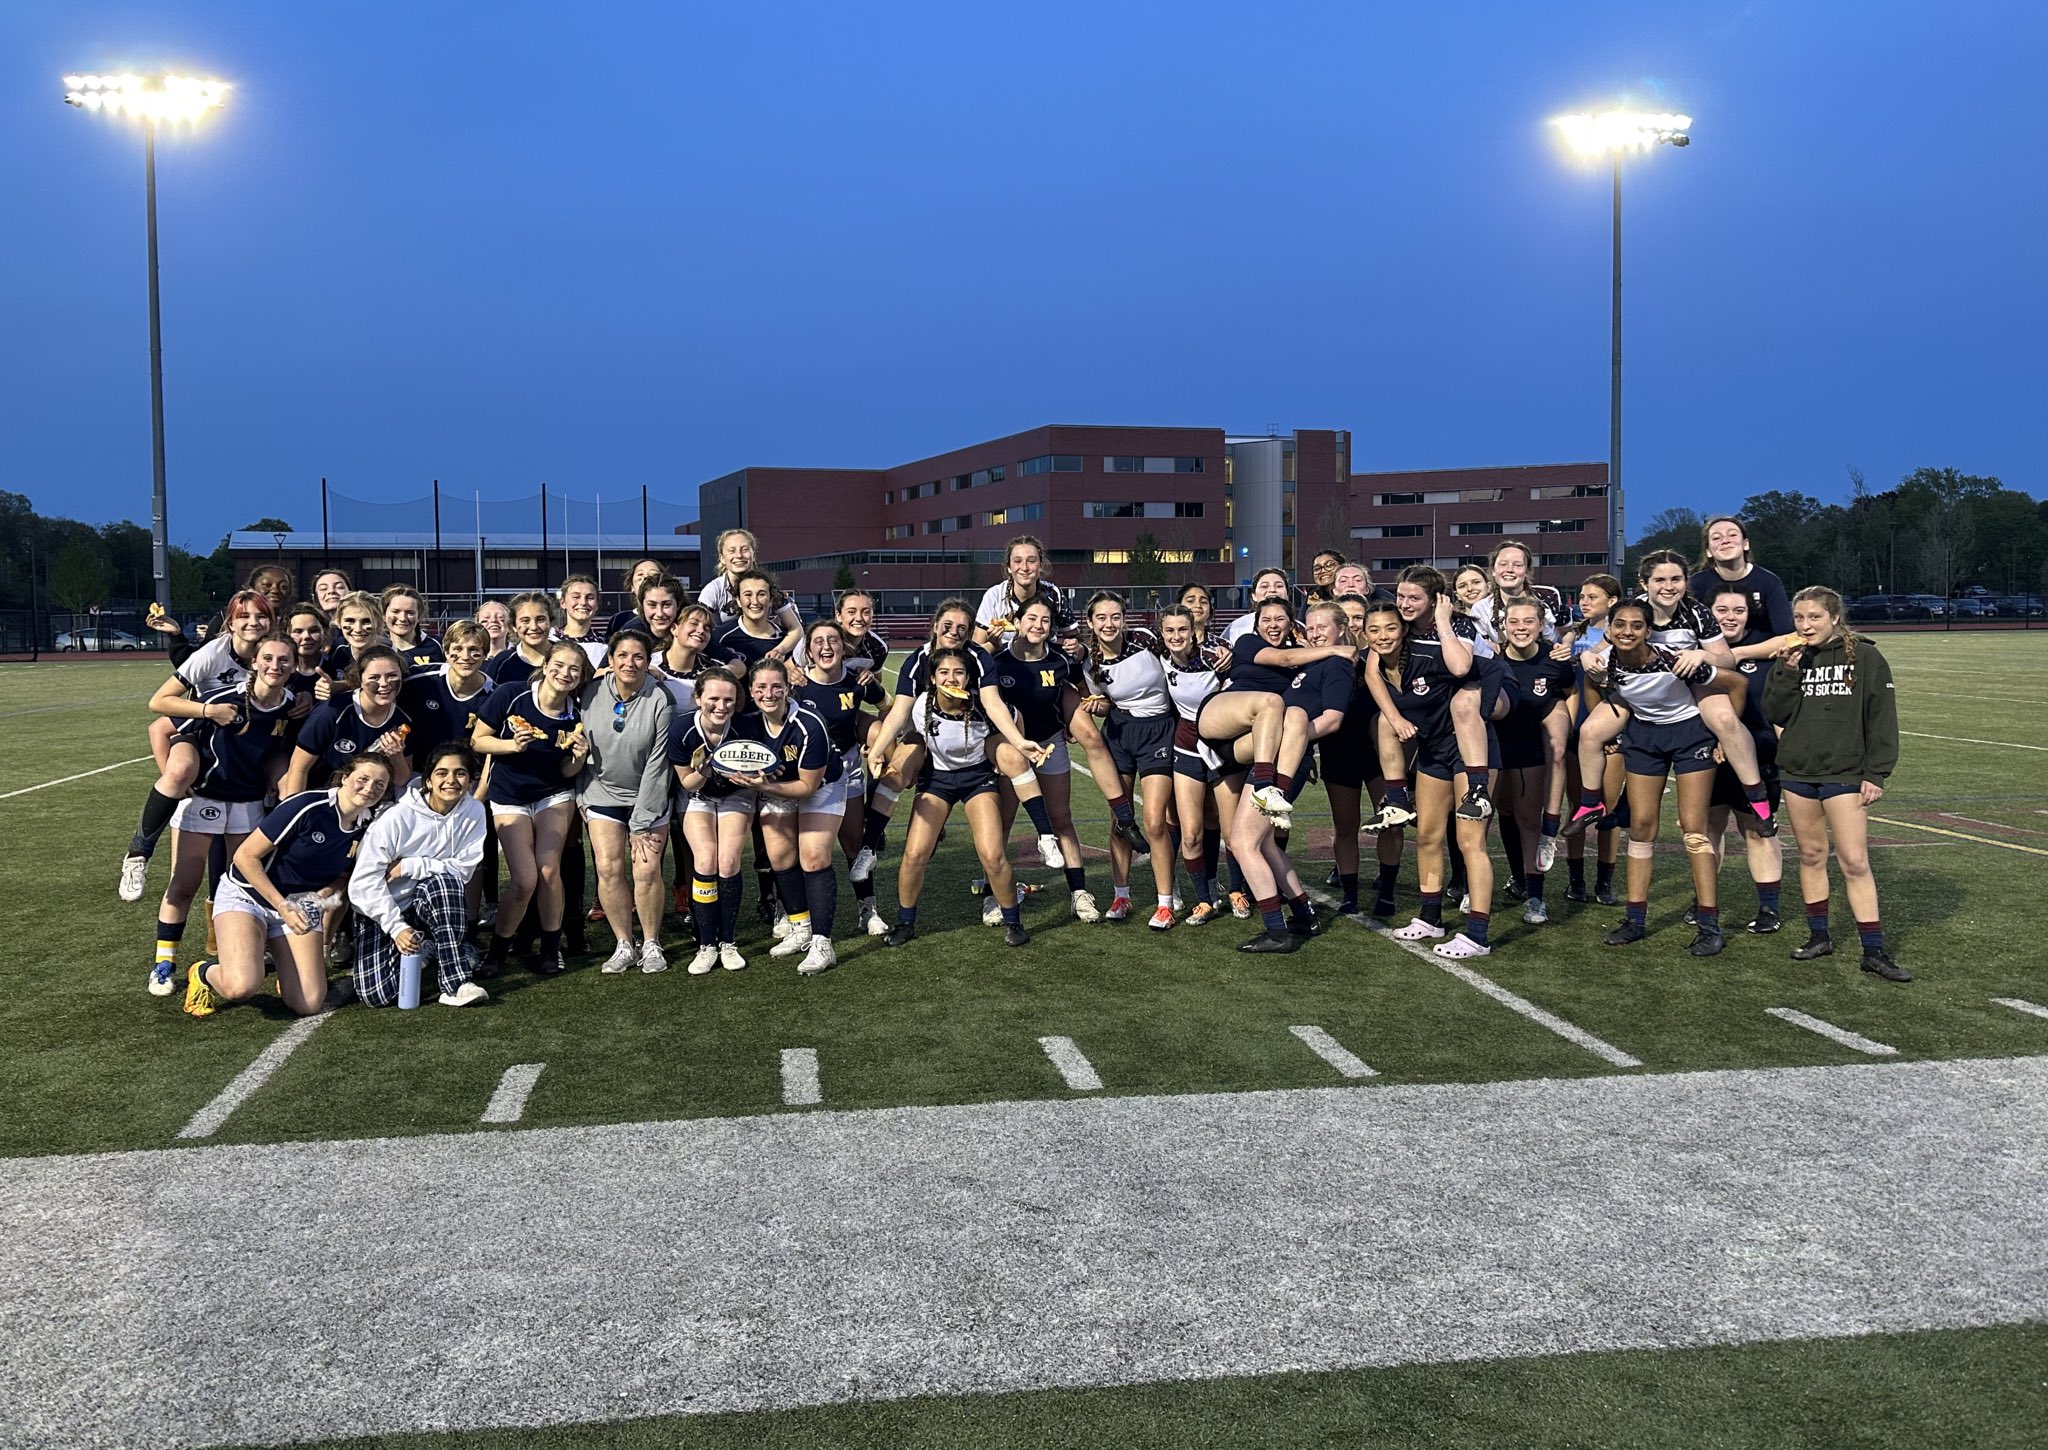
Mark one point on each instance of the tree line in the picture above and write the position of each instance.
(64, 565)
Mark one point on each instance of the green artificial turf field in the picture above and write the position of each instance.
(1961, 838)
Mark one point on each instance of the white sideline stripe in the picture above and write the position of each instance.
(1972, 740)
(1076, 1069)
(206, 1122)
(1577, 1036)
(508, 1103)
(66, 780)
(1335, 1053)
(1833, 1033)
(2021, 1004)
(800, 1077)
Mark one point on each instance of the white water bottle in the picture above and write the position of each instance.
(409, 968)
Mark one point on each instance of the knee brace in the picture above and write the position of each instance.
(1641, 850)
(1698, 843)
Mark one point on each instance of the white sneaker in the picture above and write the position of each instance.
(1050, 854)
(652, 958)
(863, 865)
(1176, 903)
(1085, 908)
(991, 913)
(1273, 803)
(1546, 853)
(702, 963)
(1462, 946)
(729, 957)
(163, 979)
(466, 995)
(625, 956)
(1416, 930)
(134, 876)
(871, 921)
(793, 945)
(1535, 913)
(820, 958)
(783, 925)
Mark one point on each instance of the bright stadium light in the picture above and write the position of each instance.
(154, 100)
(1616, 134)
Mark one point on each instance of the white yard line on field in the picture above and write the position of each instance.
(1854, 1041)
(1076, 1069)
(1330, 1050)
(206, 1122)
(66, 780)
(1959, 835)
(1972, 740)
(508, 1103)
(2021, 1004)
(800, 1077)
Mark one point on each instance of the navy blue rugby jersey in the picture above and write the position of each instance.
(690, 747)
(437, 712)
(1247, 674)
(421, 655)
(839, 706)
(731, 644)
(1033, 689)
(336, 730)
(803, 742)
(1541, 685)
(310, 849)
(1325, 685)
(524, 777)
(235, 759)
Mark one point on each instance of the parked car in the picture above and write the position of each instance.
(1971, 606)
(1870, 608)
(2018, 606)
(97, 637)
(1935, 606)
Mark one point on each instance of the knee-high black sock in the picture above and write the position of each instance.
(704, 905)
(789, 889)
(729, 908)
(572, 890)
(157, 810)
(488, 871)
(1212, 844)
(1511, 847)
(821, 892)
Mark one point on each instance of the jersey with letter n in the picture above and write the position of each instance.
(235, 759)
(310, 849)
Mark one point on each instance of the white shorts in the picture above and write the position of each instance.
(1059, 762)
(203, 817)
(741, 803)
(230, 897)
(828, 799)
(501, 812)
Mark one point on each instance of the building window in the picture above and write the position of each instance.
(1387, 500)
(1394, 531)
(1051, 463)
(962, 480)
(1571, 490)
(1123, 464)
(1287, 551)
(1287, 507)
(1112, 510)
(896, 531)
(1123, 556)
(1397, 563)
(951, 525)
(493, 563)
(982, 477)
(1561, 526)
(1017, 514)
(889, 496)
(1486, 528)
(1188, 510)
(920, 490)
(1567, 561)
(1189, 465)
(1483, 495)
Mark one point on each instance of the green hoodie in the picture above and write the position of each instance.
(1840, 720)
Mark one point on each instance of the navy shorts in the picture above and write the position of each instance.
(1348, 759)
(1728, 790)
(1683, 747)
(1140, 744)
(1820, 790)
(955, 786)
(1437, 753)
(1523, 750)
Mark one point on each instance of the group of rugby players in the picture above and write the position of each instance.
(355, 789)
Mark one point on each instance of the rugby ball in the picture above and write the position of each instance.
(743, 757)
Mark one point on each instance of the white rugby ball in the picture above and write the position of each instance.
(743, 757)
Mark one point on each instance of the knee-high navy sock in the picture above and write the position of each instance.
(821, 893)
(1237, 881)
(1041, 820)
(789, 886)
(1212, 846)
(1511, 847)
(729, 908)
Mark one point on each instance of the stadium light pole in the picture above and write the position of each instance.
(1616, 134)
(153, 100)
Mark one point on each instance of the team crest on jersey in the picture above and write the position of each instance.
(318, 838)
(1420, 687)
(345, 747)
(209, 813)
(1541, 686)
(1295, 683)
(1007, 682)
(433, 704)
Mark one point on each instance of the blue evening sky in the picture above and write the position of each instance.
(603, 245)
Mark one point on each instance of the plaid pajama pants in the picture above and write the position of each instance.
(437, 910)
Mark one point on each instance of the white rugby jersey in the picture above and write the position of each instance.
(997, 604)
(953, 742)
(213, 666)
(1190, 684)
(1652, 693)
(1135, 679)
(717, 597)
(1691, 626)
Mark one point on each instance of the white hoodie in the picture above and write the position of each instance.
(422, 844)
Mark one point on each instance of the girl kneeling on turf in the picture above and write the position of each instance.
(409, 878)
(304, 847)
(1665, 735)
(956, 772)
(1838, 742)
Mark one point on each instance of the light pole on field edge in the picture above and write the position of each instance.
(152, 100)
(1615, 134)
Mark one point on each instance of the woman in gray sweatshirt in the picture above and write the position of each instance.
(624, 795)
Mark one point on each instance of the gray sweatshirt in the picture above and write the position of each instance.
(628, 766)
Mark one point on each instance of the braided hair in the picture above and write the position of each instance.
(931, 693)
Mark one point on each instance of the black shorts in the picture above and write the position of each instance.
(1436, 754)
(1348, 759)
(1821, 790)
(1140, 744)
(1523, 749)
(1728, 790)
(1680, 748)
(955, 786)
